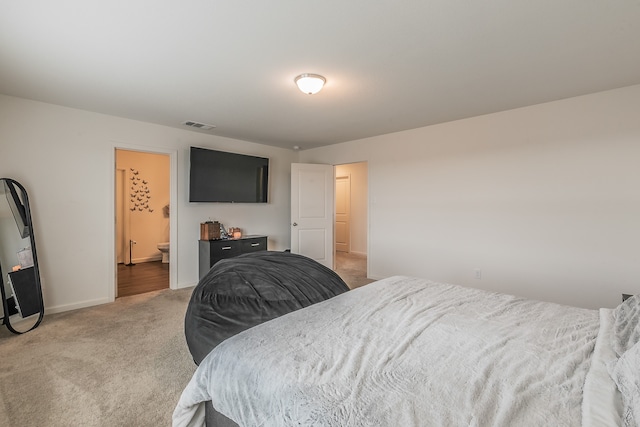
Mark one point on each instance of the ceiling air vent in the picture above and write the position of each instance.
(201, 126)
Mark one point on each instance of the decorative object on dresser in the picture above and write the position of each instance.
(210, 230)
(234, 232)
(212, 251)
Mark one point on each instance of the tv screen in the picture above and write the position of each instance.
(17, 208)
(218, 176)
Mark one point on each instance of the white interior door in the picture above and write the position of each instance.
(120, 215)
(343, 209)
(312, 211)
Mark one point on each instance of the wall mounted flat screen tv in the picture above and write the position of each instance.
(219, 176)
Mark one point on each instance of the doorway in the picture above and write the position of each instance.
(142, 227)
(313, 217)
(351, 223)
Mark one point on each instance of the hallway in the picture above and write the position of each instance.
(352, 268)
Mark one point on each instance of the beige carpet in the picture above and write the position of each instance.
(352, 268)
(119, 364)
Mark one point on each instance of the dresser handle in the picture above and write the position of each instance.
(255, 244)
(226, 248)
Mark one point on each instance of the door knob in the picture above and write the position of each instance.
(295, 224)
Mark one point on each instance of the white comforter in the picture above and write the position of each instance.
(403, 352)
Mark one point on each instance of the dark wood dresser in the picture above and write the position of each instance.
(212, 251)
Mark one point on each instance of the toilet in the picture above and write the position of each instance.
(164, 248)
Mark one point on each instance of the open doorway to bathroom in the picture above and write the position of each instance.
(142, 221)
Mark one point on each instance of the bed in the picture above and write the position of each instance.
(411, 352)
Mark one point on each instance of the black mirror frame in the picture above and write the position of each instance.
(36, 270)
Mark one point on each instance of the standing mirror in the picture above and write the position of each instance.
(22, 304)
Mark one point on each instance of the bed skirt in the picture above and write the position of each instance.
(214, 418)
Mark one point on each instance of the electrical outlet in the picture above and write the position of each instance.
(478, 274)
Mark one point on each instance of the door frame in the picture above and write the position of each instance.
(125, 226)
(173, 212)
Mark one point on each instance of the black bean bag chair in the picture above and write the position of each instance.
(244, 291)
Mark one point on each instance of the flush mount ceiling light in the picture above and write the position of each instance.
(310, 83)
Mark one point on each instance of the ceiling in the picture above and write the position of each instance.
(389, 65)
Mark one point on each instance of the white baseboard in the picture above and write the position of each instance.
(148, 259)
(364, 254)
(355, 253)
(75, 306)
(91, 303)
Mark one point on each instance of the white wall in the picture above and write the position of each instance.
(544, 200)
(65, 158)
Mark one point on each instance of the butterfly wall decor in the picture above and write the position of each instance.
(139, 187)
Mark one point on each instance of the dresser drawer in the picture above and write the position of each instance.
(225, 249)
(212, 251)
(254, 244)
